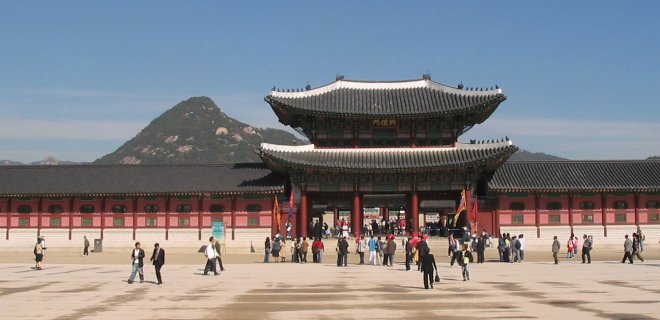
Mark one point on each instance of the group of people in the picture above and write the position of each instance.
(137, 262)
(511, 248)
(299, 249)
(633, 247)
(381, 252)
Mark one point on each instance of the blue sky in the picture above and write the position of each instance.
(79, 78)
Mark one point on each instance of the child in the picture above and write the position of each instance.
(464, 259)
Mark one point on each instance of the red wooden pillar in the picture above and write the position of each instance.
(604, 212)
(9, 219)
(40, 204)
(537, 214)
(303, 213)
(71, 217)
(168, 206)
(637, 209)
(275, 224)
(102, 215)
(414, 206)
(135, 208)
(233, 217)
(570, 211)
(200, 208)
(355, 221)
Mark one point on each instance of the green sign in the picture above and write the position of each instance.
(218, 230)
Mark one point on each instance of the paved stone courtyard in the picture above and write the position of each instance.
(95, 287)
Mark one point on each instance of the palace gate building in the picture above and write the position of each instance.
(379, 151)
(384, 150)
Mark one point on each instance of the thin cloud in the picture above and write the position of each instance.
(29, 129)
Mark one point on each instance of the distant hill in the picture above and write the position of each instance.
(524, 155)
(196, 131)
(48, 161)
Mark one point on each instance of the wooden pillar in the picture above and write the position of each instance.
(275, 225)
(233, 217)
(355, 215)
(414, 206)
(637, 209)
(303, 212)
(40, 204)
(468, 208)
(71, 201)
(168, 206)
(9, 219)
(570, 211)
(200, 208)
(603, 210)
(537, 214)
(135, 208)
(102, 216)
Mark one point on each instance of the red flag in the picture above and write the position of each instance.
(475, 209)
(276, 210)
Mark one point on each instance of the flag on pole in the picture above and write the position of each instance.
(475, 209)
(276, 210)
(291, 205)
(461, 207)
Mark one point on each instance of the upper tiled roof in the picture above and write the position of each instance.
(414, 98)
(138, 180)
(387, 158)
(563, 176)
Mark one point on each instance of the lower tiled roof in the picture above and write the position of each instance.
(403, 159)
(563, 176)
(138, 180)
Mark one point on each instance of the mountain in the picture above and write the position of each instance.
(196, 131)
(524, 155)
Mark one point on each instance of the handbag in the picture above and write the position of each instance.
(437, 278)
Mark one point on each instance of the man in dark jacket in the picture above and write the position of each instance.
(428, 266)
(158, 259)
(342, 252)
(137, 257)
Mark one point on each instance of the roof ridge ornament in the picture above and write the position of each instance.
(339, 77)
(426, 76)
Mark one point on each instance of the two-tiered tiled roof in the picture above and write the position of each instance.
(139, 180)
(380, 159)
(399, 99)
(580, 176)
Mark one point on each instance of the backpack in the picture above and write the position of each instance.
(518, 244)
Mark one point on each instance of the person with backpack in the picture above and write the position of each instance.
(465, 258)
(501, 247)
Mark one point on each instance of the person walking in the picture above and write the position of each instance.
(158, 260)
(305, 249)
(137, 261)
(317, 249)
(428, 266)
(342, 251)
(267, 247)
(635, 247)
(218, 252)
(85, 246)
(409, 251)
(38, 255)
(586, 249)
(628, 248)
(211, 257)
(361, 247)
(372, 251)
(556, 246)
(465, 258)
